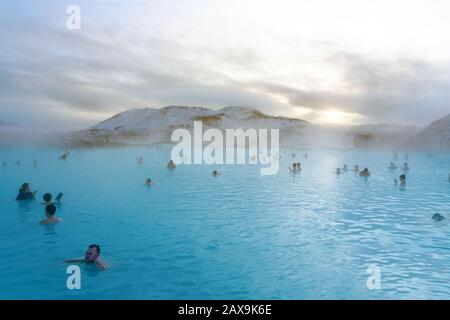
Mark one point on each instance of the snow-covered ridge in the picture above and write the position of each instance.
(436, 135)
(149, 125)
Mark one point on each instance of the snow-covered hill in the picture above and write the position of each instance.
(147, 125)
(436, 135)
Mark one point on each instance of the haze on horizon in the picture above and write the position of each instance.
(329, 62)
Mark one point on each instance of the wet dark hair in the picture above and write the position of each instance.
(50, 209)
(402, 176)
(96, 246)
(25, 185)
(47, 197)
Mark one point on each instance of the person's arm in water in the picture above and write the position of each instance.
(58, 197)
(100, 265)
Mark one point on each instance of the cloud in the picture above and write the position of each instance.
(166, 58)
(397, 90)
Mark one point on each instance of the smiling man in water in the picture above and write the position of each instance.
(92, 255)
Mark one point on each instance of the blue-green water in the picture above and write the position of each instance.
(237, 236)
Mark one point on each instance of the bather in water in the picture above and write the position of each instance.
(405, 167)
(437, 217)
(47, 197)
(216, 173)
(149, 182)
(171, 165)
(92, 256)
(50, 211)
(364, 173)
(25, 192)
(402, 179)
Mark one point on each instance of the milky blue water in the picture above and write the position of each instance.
(237, 236)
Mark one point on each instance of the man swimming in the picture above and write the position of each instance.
(345, 168)
(149, 182)
(171, 165)
(92, 255)
(406, 167)
(50, 211)
(338, 171)
(356, 168)
(216, 173)
(402, 179)
(47, 197)
(25, 193)
(364, 173)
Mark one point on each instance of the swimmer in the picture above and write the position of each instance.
(437, 217)
(171, 165)
(294, 167)
(392, 166)
(50, 211)
(402, 179)
(149, 182)
(48, 198)
(338, 171)
(356, 168)
(215, 173)
(63, 157)
(92, 255)
(25, 193)
(345, 168)
(364, 173)
(140, 160)
(395, 156)
(406, 167)
(299, 166)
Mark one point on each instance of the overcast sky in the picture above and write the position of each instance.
(330, 62)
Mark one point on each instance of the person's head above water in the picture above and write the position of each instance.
(47, 197)
(50, 210)
(25, 187)
(92, 253)
(402, 177)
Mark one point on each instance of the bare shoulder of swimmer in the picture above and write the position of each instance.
(100, 265)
